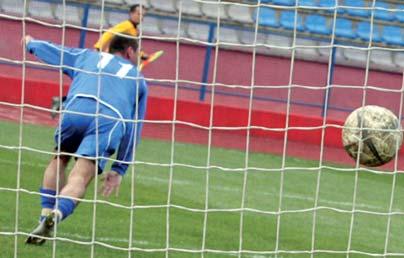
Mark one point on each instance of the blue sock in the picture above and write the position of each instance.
(66, 206)
(47, 201)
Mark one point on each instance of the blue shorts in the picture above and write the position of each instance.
(79, 132)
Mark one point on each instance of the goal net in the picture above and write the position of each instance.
(241, 151)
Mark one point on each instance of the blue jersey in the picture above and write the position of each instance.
(111, 80)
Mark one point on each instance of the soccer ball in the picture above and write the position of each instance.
(379, 138)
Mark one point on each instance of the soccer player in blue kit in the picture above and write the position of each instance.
(103, 112)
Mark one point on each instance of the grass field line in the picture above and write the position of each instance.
(8, 162)
(9, 231)
(84, 240)
(272, 194)
(80, 239)
(183, 182)
(229, 189)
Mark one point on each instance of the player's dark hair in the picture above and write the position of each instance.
(133, 7)
(121, 43)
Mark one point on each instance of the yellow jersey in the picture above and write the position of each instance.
(125, 27)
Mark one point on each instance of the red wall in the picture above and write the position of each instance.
(38, 93)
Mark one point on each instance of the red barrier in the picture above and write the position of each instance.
(39, 93)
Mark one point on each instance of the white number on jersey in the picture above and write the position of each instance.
(106, 59)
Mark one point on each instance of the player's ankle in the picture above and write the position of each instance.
(45, 212)
(58, 215)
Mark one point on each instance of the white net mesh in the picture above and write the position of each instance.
(241, 152)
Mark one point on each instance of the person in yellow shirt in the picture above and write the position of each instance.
(129, 27)
(136, 14)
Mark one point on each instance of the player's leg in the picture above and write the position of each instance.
(109, 133)
(56, 166)
(54, 172)
(79, 178)
(68, 138)
(107, 136)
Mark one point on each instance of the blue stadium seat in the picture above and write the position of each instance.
(329, 4)
(317, 24)
(284, 2)
(392, 35)
(400, 15)
(383, 14)
(363, 32)
(308, 3)
(288, 21)
(267, 17)
(343, 28)
(356, 12)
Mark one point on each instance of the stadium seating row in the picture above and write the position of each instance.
(361, 8)
(319, 24)
(244, 13)
(345, 27)
(279, 45)
(275, 44)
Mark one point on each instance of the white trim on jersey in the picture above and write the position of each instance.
(110, 135)
(80, 95)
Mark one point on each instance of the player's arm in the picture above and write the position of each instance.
(106, 38)
(53, 54)
(125, 151)
(113, 178)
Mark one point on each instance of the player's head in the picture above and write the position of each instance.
(136, 13)
(125, 46)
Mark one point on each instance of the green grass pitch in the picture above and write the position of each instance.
(112, 225)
